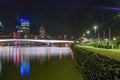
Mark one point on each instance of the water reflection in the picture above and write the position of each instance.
(21, 55)
(24, 68)
(0, 67)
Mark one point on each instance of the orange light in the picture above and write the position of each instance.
(18, 55)
(8, 54)
(38, 54)
(15, 56)
(15, 60)
(60, 56)
(48, 56)
(72, 55)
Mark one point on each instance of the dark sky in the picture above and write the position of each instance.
(59, 16)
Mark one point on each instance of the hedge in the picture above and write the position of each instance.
(95, 66)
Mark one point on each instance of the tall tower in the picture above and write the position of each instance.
(24, 27)
(42, 32)
(1, 28)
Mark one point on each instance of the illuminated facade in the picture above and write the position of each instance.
(42, 32)
(1, 28)
(24, 27)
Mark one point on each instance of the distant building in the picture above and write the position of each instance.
(24, 27)
(60, 36)
(65, 37)
(42, 32)
(2, 29)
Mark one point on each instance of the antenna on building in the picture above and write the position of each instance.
(17, 16)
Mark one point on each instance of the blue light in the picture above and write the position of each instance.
(0, 67)
(22, 69)
(27, 20)
(21, 20)
(24, 20)
(27, 68)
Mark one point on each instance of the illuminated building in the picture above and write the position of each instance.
(1, 28)
(42, 32)
(65, 37)
(24, 27)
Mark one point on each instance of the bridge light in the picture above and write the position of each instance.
(15, 56)
(0, 67)
(45, 56)
(48, 55)
(60, 55)
(72, 55)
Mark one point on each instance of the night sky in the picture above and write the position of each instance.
(71, 17)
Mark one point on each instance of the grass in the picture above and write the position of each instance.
(112, 53)
(54, 69)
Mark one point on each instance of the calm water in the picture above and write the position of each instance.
(21, 56)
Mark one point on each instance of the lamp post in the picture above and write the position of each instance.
(109, 35)
(95, 27)
(83, 34)
(88, 32)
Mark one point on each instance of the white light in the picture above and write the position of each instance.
(0, 67)
(83, 34)
(88, 32)
(106, 39)
(34, 40)
(95, 27)
(34, 51)
(114, 38)
(0, 23)
(21, 31)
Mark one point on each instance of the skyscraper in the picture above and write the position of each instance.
(42, 32)
(24, 27)
(1, 28)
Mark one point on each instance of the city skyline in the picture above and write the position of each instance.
(60, 17)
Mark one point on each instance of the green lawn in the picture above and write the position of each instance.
(112, 53)
(54, 69)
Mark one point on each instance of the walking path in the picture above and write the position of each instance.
(112, 53)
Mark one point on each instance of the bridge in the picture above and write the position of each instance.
(36, 41)
(34, 47)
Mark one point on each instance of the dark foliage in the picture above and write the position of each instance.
(95, 66)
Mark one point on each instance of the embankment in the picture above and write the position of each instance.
(95, 66)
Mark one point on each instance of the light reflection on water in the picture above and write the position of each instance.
(21, 55)
(33, 51)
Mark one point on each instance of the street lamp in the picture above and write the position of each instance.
(114, 38)
(95, 27)
(83, 34)
(88, 32)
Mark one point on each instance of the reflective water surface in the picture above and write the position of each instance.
(22, 55)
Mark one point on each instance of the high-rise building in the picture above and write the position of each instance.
(24, 27)
(42, 32)
(1, 28)
(65, 37)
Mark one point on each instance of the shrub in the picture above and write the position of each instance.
(95, 66)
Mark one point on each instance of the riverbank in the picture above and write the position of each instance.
(97, 64)
(111, 53)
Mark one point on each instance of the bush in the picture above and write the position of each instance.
(118, 41)
(95, 66)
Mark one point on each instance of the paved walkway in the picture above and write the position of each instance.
(112, 53)
(112, 50)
